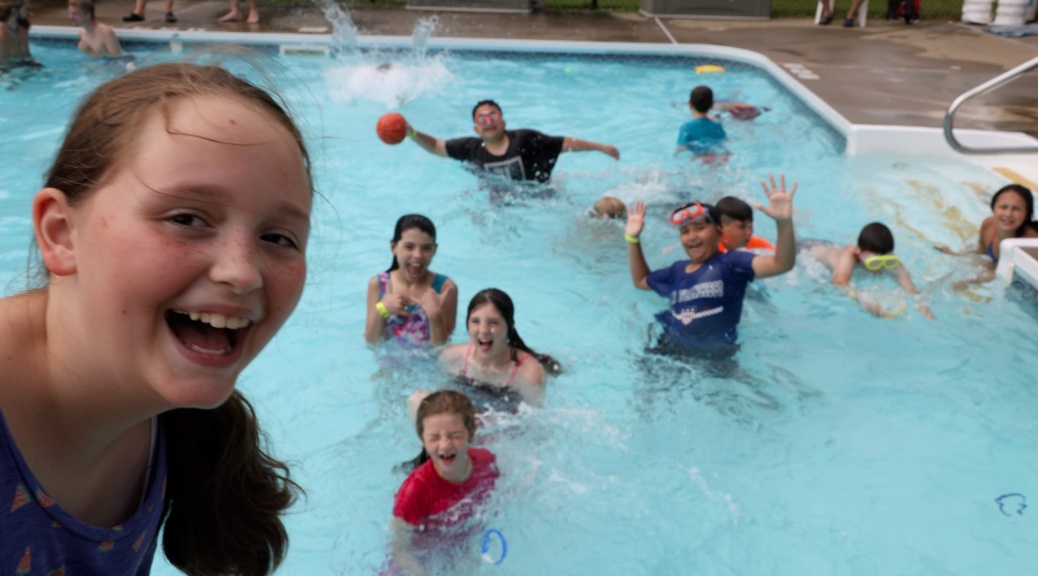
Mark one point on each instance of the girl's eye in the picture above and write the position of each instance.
(186, 220)
(280, 240)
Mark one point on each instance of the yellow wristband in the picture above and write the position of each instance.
(382, 309)
(631, 239)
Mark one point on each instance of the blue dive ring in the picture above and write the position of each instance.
(486, 546)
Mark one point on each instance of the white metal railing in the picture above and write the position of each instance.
(1016, 255)
(997, 81)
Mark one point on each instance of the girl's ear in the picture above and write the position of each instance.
(52, 224)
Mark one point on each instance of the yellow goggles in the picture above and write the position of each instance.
(888, 261)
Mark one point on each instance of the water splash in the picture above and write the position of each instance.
(389, 80)
(423, 30)
(392, 84)
(344, 31)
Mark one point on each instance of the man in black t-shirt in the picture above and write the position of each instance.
(516, 154)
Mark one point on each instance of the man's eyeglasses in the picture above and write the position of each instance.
(485, 118)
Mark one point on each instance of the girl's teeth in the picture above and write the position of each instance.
(219, 320)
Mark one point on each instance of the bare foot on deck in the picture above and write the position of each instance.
(253, 17)
(232, 16)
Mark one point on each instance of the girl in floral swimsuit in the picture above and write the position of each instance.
(408, 302)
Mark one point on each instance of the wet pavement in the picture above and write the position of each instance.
(886, 73)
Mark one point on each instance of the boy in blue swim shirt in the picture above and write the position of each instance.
(706, 291)
(702, 135)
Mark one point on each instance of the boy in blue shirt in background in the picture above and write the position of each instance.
(702, 135)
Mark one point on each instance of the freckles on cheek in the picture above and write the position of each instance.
(285, 287)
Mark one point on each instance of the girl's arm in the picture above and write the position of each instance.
(530, 382)
(404, 559)
(985, 275)
(450, 358)
(632, 232)
(375, 325)
(981, 247)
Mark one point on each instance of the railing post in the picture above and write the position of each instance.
(997, 81)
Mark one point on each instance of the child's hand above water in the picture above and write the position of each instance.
(396, 304)
(780, 206)
(635, 219)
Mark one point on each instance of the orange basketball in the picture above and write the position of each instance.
(392, 128)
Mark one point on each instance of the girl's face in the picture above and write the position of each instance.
(191, 254)
(446, 440)
(488, 330)
(413, 252)
(1010, 211)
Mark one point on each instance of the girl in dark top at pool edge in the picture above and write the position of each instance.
(1012, 209)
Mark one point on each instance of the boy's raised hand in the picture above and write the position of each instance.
(635, 219)
(780, 202)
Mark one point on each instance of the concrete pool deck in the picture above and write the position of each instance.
(885, 74)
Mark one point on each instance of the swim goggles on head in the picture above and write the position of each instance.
(688, 213)
(888, 261)
(487, 118)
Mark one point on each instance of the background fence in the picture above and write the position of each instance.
(928, 9)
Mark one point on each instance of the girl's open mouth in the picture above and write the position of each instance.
(207, 333)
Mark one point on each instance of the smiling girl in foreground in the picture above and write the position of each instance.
(408, 301)
(496, 358)
(173, 227)
(449, 478)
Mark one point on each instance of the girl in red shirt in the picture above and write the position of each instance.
(449, 478)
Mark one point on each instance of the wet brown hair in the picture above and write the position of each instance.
(441, 402)
(108, 121)
(447, 402)
(224, 493)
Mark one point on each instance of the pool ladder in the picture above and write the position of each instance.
(990, 85)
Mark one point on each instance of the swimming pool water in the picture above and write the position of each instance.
(837, 444)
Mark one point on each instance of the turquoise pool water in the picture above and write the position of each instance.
(840, 444)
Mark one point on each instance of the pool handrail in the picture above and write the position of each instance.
(996, 82)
